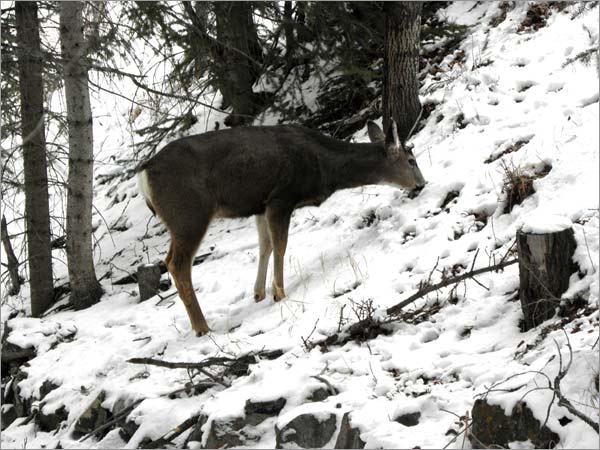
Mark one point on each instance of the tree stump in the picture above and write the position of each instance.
(148, 277)
(545, 266)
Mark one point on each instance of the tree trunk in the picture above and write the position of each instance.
(12, 263)
(545, 266)
(238, 56)
(400, 64)
(148, 278)
(85, 289)
(288, 28)
(37, 215)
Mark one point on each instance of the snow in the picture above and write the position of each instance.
(336, 259)
(539, 222)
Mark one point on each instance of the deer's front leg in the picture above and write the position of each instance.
(264, 252)
(278, 221)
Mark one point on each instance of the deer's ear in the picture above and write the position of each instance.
(392, 141)
(375, 134)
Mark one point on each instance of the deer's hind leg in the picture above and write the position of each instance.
(264, 253)
(278, 220)
(186, 236)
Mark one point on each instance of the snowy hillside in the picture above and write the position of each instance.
(510, 101)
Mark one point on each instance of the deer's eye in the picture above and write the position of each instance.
(412, 162)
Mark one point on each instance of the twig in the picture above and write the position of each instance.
(306, 341)
(332, 389)
(393, 310)
(562, 400)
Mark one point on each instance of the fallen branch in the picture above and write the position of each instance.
(119, 416)
(233, 366)
(223, 361)
(168, 438)
(396, 309)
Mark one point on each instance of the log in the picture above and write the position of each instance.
(545, 267)
(148, 277)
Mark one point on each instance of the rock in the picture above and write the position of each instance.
(94, 416)
(47, 387)
(322, 392)
(127, 427)
(492, 428)
(22, 405)
(306, 431)
(196, 434)
(229, 433)
(13, 355)
(319, 394)
(257, 412)
(50, 421)
(409, 419)
(348, 437)
(8, 415)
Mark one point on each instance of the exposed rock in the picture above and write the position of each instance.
(94, 416)
(319, 394)
(50, 421)
(196, 434)
(305, 431)
(13, 355)
(409, 419)
(22, 405)
(229, 433)
(257, 412)
(348, 437)
(492, 428)
(127, 427)
(322, 392)
(47, 387)
(8, 415)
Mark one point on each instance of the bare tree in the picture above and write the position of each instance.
(400, 64)
(85, 288)
(37, 216)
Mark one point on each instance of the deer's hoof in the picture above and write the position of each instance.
(259, 296)
(278, 293)
(203, 330)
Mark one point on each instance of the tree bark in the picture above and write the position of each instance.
(238, 56)
(545, 266)
(400, 64)
(85, 288)
(12, 263)
(37, 214)
(148, 278)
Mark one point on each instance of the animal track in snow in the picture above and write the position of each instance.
(555, 86)
(523, 85)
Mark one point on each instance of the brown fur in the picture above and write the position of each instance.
(262, 171)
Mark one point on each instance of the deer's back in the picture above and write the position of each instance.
(236, 172)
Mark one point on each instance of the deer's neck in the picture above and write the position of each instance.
(353, 165)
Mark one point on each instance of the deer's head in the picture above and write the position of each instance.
(403, 170)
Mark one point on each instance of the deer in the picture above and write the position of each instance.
(261, 171)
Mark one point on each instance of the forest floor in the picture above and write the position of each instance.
(512, 96)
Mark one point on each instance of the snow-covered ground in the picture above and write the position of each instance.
(373, 243)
